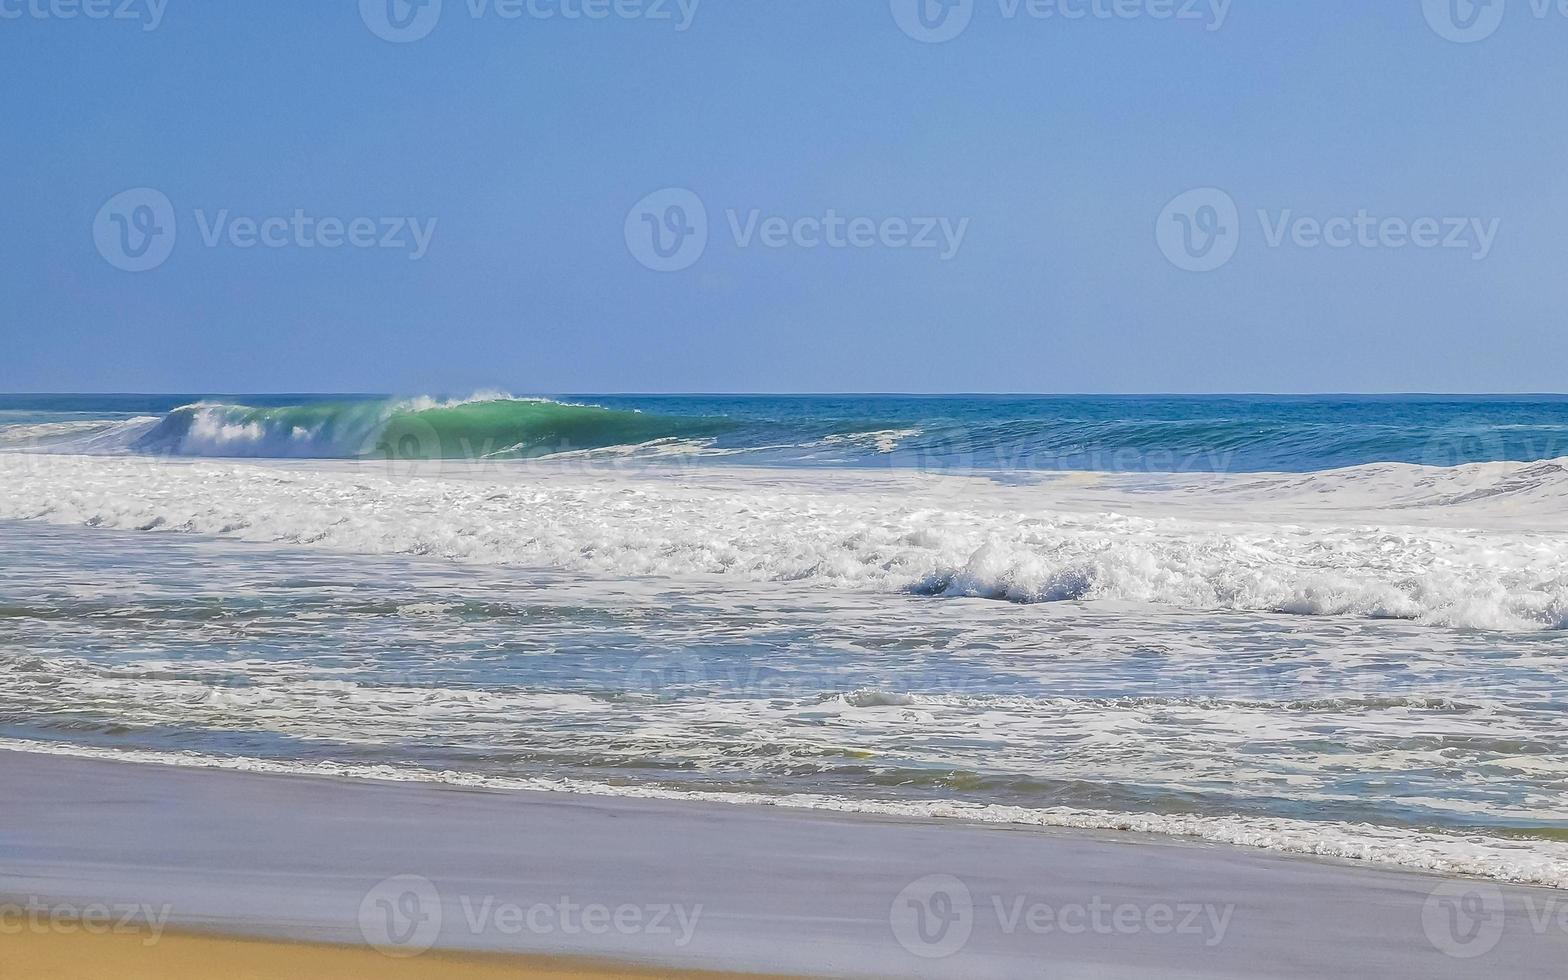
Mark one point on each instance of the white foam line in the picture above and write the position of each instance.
(1524, 862)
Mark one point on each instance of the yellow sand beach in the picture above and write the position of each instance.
(191, 957)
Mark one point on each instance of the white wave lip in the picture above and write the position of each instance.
(1276, 549)
(223, 430)
(88, 437)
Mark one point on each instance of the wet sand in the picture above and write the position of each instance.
(408, 869)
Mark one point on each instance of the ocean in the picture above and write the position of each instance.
(1296, 434)
(1330, 625)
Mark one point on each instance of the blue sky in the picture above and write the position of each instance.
(884, 212)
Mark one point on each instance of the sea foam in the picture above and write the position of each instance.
(1395, 543)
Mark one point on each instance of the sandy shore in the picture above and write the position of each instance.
(399, 871)
(177, 956)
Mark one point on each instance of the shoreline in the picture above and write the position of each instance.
(728, 887)
(193, 956)
(1278, 836)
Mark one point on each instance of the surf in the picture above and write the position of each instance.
(481, 427)
(1458, 548)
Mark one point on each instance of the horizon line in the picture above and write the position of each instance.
(820, 394)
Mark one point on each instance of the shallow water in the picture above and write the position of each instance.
(1290, 725)
(908, 609)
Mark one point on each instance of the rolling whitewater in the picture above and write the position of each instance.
(1332, 625)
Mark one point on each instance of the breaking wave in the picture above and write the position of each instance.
(1152, 434)
(485, 426)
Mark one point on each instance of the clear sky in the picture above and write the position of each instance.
(886, 210)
